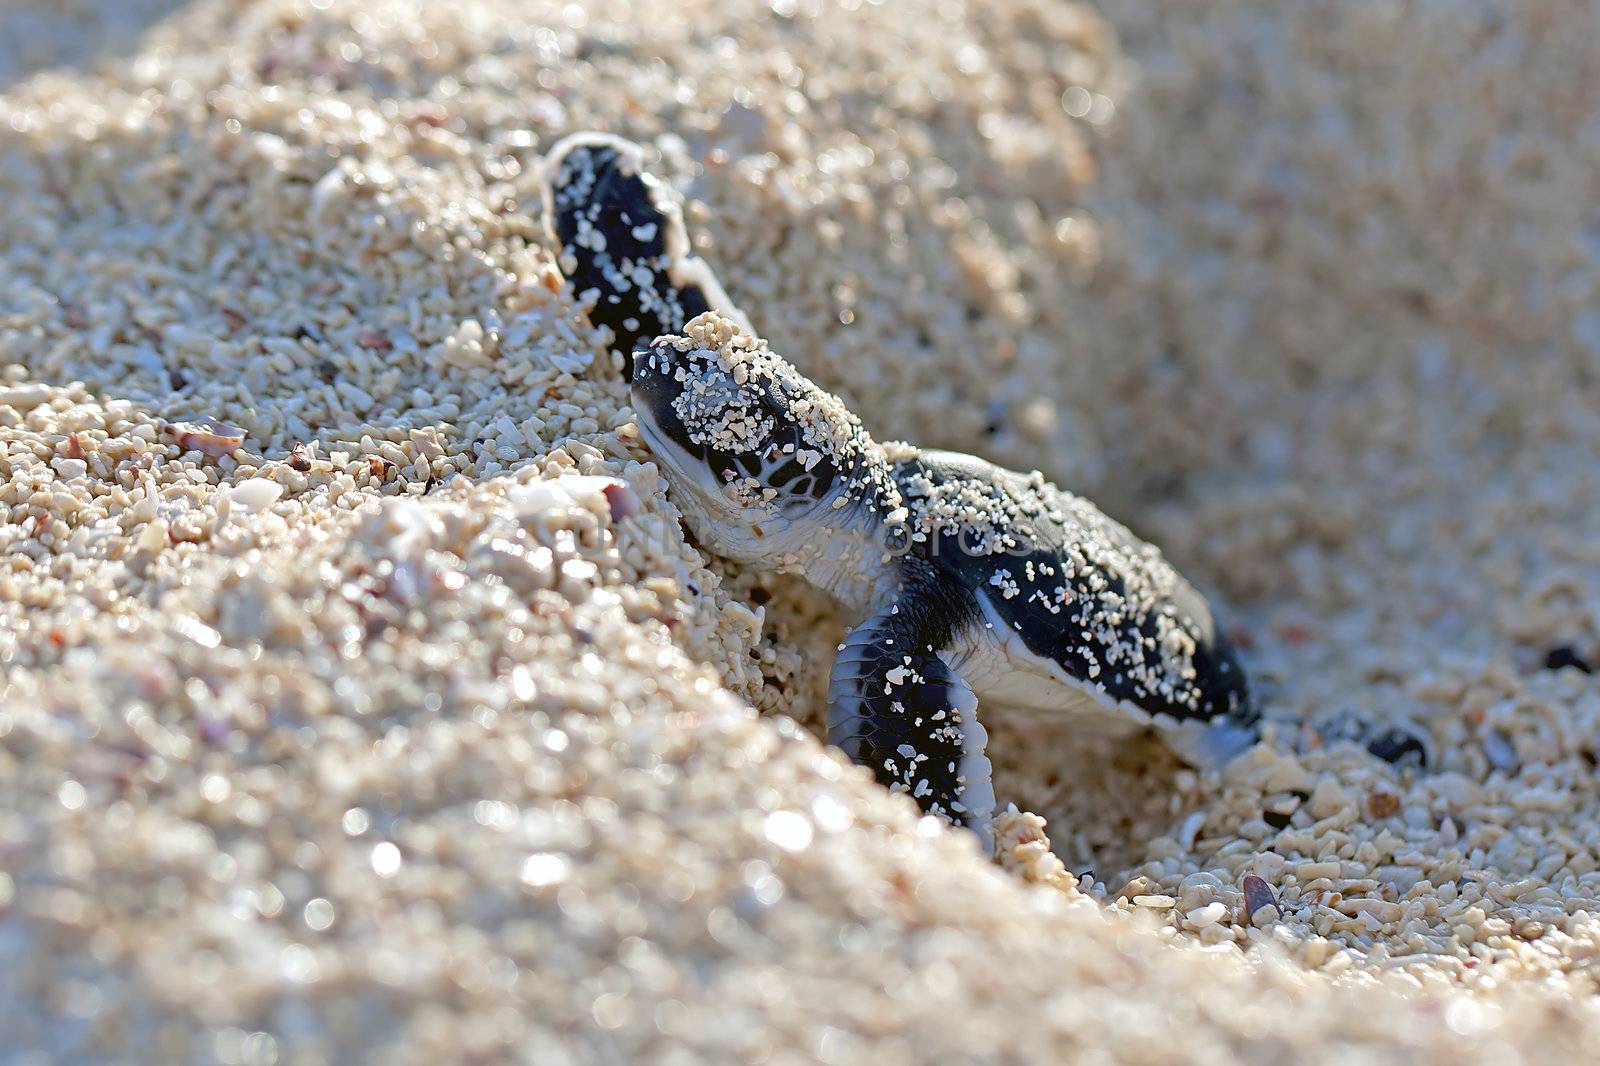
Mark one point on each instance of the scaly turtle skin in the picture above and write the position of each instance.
(965, 582)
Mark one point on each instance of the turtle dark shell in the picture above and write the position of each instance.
(1077, 589)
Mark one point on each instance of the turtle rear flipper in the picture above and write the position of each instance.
(1211, 746)
(621, 238)
(1394, 738)
(896, 706)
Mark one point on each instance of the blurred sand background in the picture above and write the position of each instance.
(355, 743)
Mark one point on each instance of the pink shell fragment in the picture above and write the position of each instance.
(208, 436)
(571, 490)
(624, 502)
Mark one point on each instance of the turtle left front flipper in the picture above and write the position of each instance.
(896, 706)
(624, 242)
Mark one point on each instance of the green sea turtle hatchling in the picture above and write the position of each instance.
(964, 582)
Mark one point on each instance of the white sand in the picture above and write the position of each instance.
(398, 757)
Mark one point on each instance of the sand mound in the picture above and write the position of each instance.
(361, 694)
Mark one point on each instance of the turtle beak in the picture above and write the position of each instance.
(653, 389)
(641, 359)
(684, 463)
(653, 386)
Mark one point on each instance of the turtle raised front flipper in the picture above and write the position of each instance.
(896, 707)
(623, 242)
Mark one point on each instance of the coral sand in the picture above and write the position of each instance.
(331, 726)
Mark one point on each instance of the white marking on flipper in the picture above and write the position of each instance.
(685, 269)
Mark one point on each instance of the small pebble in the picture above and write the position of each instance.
(1563, 657)
(1382, 804)
(1265, 917)
(23, 397)
(1328, 799)
(67, 469)
(1497, 747)
(1210, 914)
(257, 494)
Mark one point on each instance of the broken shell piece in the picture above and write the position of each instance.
(256, 494)
(624, 503)
(1498, 750)
(574, 490)
(1381, 804)
(1190, 829)
(24, 397)
(208, 436)
(1257, 894)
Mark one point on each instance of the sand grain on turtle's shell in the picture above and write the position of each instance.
(397, 766)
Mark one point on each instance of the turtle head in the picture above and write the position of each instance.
(762, 459)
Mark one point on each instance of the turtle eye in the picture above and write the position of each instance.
(749, 463)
